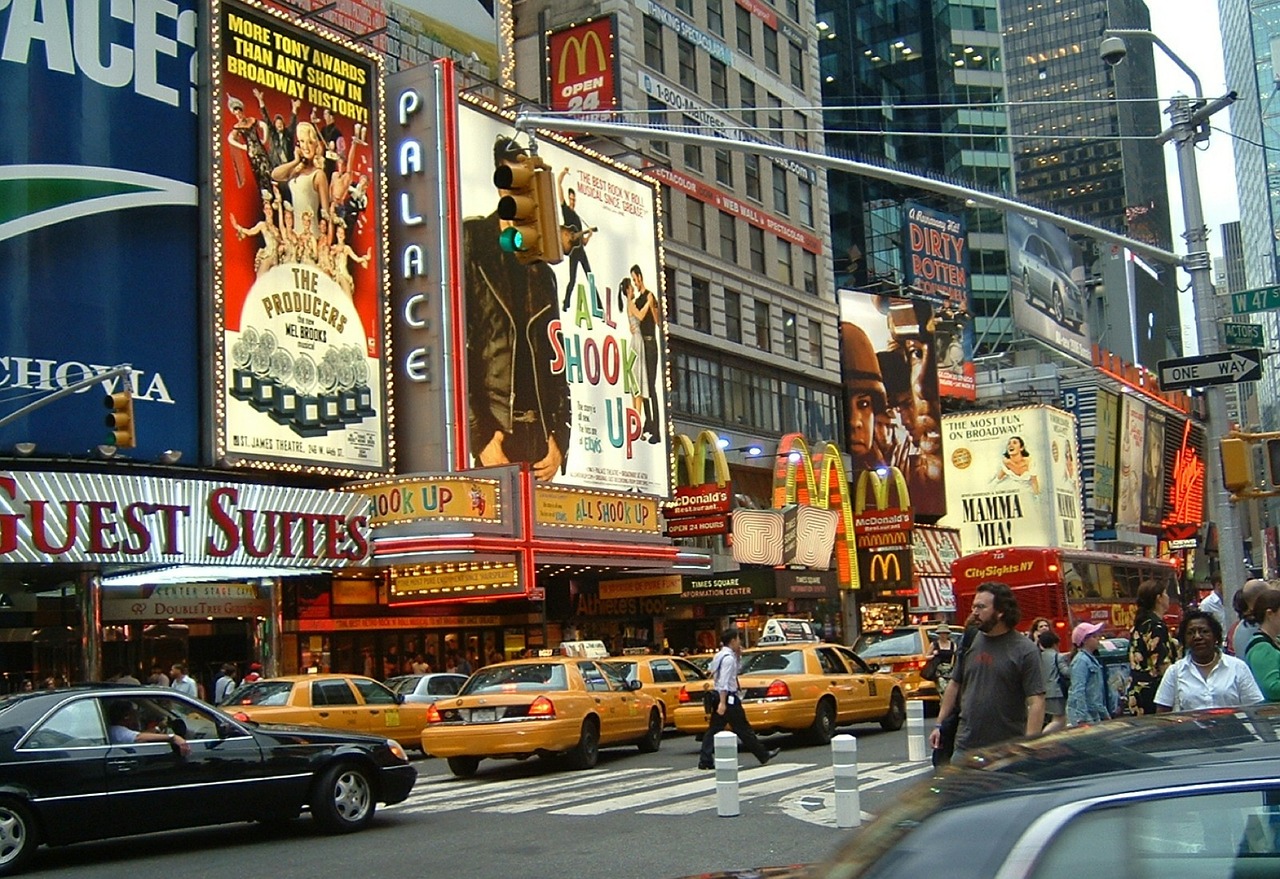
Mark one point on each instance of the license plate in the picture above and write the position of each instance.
(484, 715)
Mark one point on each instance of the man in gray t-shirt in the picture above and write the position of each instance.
(1001, 686)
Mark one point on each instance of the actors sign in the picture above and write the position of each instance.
(297, 259)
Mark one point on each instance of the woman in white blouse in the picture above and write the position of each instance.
(1206, 677)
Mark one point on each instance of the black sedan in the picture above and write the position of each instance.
(101, 762)
(1194, 795)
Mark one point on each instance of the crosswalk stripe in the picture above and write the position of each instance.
(539, 803)
(690, 788)
(745, 792)
(450, 795)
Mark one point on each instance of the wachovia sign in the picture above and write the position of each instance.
(69, 517)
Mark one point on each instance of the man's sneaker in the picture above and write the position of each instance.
(705, 766)
(769, 755)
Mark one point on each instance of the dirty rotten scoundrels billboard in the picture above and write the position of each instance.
(296, 137)
(566, 365)
(937, 265)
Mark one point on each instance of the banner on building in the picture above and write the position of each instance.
(582, 67)
(1047, 288)
(298, 257)
(565, 365)
(1105, 451)
(888, 353)
(99, 222)
(1130, 492)
(1013, 479)
(937, 267)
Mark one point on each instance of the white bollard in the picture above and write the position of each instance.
(844, 760)
(917, 743)
(726, 751)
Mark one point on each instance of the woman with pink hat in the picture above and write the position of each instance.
(1087, 698)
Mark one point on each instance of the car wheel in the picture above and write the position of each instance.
(824, 723)
(343, 799)
(897, 714)
(18, 836)
(652, 740)
(1058, 311)
(587, 751)
(464, 767)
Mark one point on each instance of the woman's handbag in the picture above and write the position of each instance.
(930, 670)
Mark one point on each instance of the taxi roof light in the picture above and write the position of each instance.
(542, 707)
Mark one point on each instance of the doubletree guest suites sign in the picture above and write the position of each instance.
(67, 517)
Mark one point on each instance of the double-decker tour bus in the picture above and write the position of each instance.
(1066, 586)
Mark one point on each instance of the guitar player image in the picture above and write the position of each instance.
(574, 236)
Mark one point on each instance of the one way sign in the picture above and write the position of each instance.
(1224, 368)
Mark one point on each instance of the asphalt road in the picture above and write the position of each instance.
(635, 816)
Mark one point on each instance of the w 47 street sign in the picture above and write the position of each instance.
(1224, 368)
(1250, 301)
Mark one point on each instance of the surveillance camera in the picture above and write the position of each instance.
(1113, 50)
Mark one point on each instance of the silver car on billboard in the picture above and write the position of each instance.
(1047, 282)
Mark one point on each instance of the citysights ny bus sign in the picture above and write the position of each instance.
(70, 517)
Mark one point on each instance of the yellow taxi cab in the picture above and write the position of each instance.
(810, 688)
(552, 706)
(663, 677)
(903, 651)
(350, 703)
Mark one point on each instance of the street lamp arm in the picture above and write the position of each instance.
(1153, 38)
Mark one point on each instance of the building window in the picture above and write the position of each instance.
(658, 119)
(751, 170)
(793, 9)
(685, 6)
(802, 132)
(755, 242)
(728, 238)
(697, 219)
(774, 111)
(687, 61)
(804, 198)
(747, 92)
(665, 191)
(815, 344)
(790, 338)
(771, 49)
(796, 63)
(810, 263)
(764, 331)
(669, 293)
(715, 17)
(692, 152)
(701, 305)
(719, 83)
(786, 272)
(724, 167)
(653, 43)
(781, 203)
(699, 387)
(744, 30)
(733, 316)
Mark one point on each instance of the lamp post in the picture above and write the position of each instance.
(1187, 115)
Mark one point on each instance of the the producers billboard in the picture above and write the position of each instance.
(99, 222)
(1129, 462)
(1047, 291)
(582, 67)
(565, 365)
(299, 336)
(888, 354)
(1013, 478)
(937, 265)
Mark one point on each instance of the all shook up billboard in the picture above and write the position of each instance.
(566, 365)
(1013, 478)
(298, 265)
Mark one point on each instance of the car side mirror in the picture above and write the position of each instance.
(399, 698)
(633, 684)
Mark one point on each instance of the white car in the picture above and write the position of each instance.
(427, 687)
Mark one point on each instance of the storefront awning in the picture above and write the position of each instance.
(935, 595)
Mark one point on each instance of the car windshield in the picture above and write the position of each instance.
(626, 669)
(773, 662)
(895, 642)
(404, 684)
(266, 693)
(516, 678)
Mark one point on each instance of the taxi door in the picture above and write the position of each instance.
(841, 683)
(384, 715)
(608, 705)
(334, 705)
(633, 705)
(872, 697)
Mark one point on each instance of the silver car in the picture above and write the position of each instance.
(1046, 280)
(427, 687)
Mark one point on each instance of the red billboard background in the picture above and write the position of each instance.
(581, 73)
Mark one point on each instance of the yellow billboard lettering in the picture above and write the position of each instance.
(881, 562)
(695, 454)
(794, 482)
(579, 47)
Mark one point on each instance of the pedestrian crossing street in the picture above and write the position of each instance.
(801, 790)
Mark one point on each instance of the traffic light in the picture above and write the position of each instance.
(120, 420)
(1237, 465)
(529, 204)
(1273, 462)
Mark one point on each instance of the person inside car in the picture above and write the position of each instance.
(124, 728)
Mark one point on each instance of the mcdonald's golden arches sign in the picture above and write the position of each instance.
(581, 67)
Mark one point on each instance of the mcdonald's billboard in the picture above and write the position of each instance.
(883, 533)
(582, 67)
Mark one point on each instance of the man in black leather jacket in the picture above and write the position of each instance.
(518, 408)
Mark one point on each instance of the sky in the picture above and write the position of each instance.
(1190, 29)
